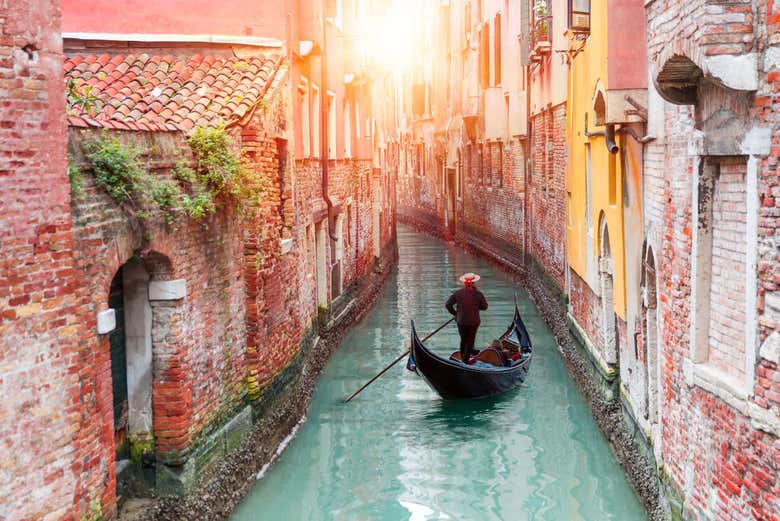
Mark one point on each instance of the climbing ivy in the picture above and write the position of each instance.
(219, 173)
(76, 180)
(116, 169)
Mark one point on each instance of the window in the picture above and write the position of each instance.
(480, 164)
(484, 55)
(331, 125)
(497, 49)
(315, 121)
(579, 15)
(305, 107)
(357, 117)
(466, 24)
(347, 129)
(468, 161)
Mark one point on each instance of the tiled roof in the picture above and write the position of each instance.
(142, 92)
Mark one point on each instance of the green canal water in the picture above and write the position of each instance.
(398, 452)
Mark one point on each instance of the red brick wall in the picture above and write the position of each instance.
(721, 460)
(585, 308)
(198, 342)
(49, 465)
(492, 206)
(547, 192)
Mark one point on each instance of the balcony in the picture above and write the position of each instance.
(541, 45)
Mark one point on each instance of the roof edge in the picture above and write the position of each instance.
(257, 41)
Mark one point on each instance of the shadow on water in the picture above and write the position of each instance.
(398, 451)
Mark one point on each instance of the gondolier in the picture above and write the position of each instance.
(465, 304)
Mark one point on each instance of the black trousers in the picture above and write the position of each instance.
(467, 336)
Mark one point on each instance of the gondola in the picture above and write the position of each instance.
(494, 374)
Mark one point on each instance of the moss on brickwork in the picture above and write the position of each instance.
(140, 446)
(95, 512)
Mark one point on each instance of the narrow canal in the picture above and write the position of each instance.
(397, 451)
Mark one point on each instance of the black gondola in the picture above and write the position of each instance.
(453, 379)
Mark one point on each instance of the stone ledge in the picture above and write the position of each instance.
(608, 371)
(716, 382)
(167, 289)
(176, 481)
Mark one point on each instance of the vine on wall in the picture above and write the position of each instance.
(219, 177)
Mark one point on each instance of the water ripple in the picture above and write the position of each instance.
(398, 452)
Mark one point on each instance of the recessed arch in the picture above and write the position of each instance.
(599, 104)
(608, 329)
(650, 332)
(678, 80)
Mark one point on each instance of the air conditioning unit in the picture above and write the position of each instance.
(580, 21)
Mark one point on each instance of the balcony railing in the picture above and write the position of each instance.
(540, 35)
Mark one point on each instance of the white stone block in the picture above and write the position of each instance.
(757, 142)
(688, 372)
(735, 72)
(286, 245)
(770, 349)
(106, 321)
(167, 289)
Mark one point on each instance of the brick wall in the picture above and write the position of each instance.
(585, 308)
(727, 316)
(719, 450)
(197, 342)
(492, 206)
(547, 192)
(47, 469)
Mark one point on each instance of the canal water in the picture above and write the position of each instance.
(398, 452)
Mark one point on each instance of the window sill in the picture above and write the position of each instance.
(715, 381)
(729, 389)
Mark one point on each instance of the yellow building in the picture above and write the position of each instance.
(606, 103)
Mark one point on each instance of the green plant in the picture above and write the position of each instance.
(95, 512)
(182, 173)
(220, 171)
(199, 205)
(79, 99)
(76, 180)
(116, 168)
(166, 195)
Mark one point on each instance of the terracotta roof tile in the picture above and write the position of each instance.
(162, 92)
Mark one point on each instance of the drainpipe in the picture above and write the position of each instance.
(609, 139)
(324, 134)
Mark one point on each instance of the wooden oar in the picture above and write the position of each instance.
(383, 371)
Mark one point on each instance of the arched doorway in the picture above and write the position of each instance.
(650, 333)
(608, 328)
(131, 360)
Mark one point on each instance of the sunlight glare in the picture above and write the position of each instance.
(391, 37)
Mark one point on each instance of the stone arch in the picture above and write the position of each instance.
(719, 88)
(677, 80)
(608, 327)
(130, 348)
(147, 306)
(650, 331)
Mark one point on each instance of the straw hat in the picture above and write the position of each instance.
(469, 276)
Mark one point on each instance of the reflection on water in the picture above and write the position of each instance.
(397, 451)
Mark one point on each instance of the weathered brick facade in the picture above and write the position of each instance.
(43, 316)
(711, 220)
(210, 313)
(547, 193)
